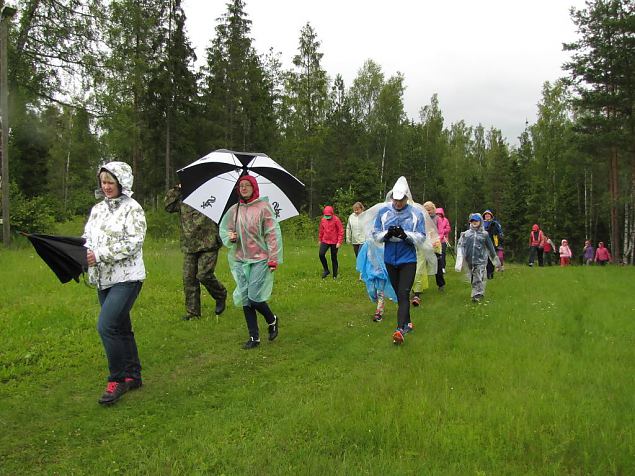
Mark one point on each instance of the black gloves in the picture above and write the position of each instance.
(395, 231)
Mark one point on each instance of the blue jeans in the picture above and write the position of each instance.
(115, 329)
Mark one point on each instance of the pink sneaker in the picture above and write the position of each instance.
(397, 337)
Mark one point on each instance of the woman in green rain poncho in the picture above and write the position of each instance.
(251, 232)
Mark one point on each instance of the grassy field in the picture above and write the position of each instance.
(538, 379)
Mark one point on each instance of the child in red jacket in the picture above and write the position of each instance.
(330, 236)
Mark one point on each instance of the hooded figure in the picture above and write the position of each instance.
(401, 228)
(330, 236)
(495, 230)
(536, 245)
(251, 232)
(476, 248)
(114, 236)
(115, 231)
(602, 254)
(565, 253)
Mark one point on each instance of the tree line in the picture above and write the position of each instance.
(98, 80)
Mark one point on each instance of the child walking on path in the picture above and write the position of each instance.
(565, 253)
(476, 248)
(354, 229)
(330, 236)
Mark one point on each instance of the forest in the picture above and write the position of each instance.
(91, 81)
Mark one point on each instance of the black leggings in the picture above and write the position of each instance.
(323, 248)
(402, 278)
(252, 318)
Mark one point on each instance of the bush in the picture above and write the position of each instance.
(32, 215)
(300, 227)
(162, 224)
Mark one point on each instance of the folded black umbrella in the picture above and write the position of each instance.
(65, 255)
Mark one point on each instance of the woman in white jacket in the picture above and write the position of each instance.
(355, 233)
(114, 235)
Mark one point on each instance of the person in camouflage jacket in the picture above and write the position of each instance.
(199, 243)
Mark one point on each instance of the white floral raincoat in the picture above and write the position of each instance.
(115, 232)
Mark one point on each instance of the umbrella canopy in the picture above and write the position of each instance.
(65, 255)
(208, 185)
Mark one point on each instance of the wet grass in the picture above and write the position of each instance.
(535, 380)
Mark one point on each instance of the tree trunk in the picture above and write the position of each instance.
(614, 194)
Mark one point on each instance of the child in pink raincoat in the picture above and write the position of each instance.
(565, 253)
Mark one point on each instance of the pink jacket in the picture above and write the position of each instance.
(602, 253)
(565, 251)
(443, 225)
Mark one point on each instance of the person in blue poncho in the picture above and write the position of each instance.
(400, 227)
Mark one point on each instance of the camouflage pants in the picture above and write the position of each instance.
(198, 268)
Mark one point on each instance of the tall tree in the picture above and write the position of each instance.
(237, 91)
(308, 91)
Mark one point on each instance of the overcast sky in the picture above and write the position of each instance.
(487, 60)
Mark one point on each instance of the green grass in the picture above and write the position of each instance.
(536, 380)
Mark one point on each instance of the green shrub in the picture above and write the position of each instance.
(300, 227)
(32, 215)
(162, 224)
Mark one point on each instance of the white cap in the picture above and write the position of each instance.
(400, 189)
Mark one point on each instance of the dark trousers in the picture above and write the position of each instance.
(356, 249)
(548, 258)
(534, 252)
(402, 278)
(490, 269)
(323, 248)
(439, 276)
(252, 318)
(198, 268)
(115, 329)
(444, 247)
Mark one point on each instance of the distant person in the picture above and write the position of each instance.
(495, 231)
(444, 228)
(602, 254)
(548, 250)
(200, 243)
(565, 253)
(251, 232)
(400, 227)
(330, 236)
(114, 234)
(536, 245)
(354, 228)
(431, 208)
(476, 248)
(588, 253)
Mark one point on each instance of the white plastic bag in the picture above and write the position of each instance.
(459, 259)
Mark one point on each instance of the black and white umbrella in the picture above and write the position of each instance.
(209, 184)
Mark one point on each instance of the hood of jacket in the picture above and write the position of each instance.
(534, 228)
(122, 172)
(254, 184)
(439, 211)
(328, 210)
